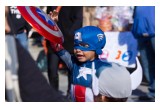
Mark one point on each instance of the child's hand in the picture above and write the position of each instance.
(54, 15)
(56, 47)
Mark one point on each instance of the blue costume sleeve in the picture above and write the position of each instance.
(66, 57)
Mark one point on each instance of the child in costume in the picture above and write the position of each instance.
(92, 79)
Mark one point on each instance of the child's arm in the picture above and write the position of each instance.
(58, 48)
(63, 54)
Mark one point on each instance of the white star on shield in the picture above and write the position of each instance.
(47, 19)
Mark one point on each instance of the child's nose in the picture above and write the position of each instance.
(77, 50)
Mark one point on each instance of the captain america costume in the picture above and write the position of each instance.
(94, 77)
(82, 78)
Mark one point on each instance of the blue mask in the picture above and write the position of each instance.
(90, 38)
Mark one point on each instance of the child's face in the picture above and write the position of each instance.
(84, 56)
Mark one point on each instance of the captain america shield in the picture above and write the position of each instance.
(42, 23)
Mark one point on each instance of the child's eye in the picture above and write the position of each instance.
(84, 45)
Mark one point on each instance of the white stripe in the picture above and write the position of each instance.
(72, 91)
(95, 86)
(89, 95)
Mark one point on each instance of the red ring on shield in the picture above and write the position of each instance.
(42, 23)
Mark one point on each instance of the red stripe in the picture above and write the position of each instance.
(80, 93)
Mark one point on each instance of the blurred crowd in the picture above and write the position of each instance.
(23, 75)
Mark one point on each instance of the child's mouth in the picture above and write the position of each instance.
(79, 56)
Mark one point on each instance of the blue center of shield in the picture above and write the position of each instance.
(45, 17)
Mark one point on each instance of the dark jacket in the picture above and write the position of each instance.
(16, 22)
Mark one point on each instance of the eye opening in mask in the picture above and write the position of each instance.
(82, 44)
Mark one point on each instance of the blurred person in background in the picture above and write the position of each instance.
(104, 14)
(89, 16)
(19, 26)
(114, 18)
(144, 31)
